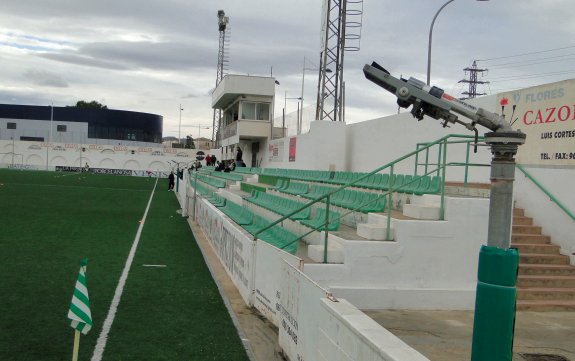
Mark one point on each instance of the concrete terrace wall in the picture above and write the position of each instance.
(323, 147)
(362, 147)
(429, 265)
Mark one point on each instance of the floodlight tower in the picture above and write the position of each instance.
(341, 22)
(223, 21)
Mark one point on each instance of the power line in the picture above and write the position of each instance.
(529, 53)
(530, 62)
(531, 76)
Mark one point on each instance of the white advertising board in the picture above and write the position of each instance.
(268, 279)
(299, 314)
(276, 150)
(235, 250)
(546, 113)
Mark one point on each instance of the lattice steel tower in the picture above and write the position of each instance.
(472, 81)
(341, 22)
(223, 61)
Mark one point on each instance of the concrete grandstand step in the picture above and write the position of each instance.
(335, 253)
(537, 258)
(538, 305)
(546, 281)
(426, 199)
(547, 294)
(540, 248)
(375, 231)
(526, 229)
(235, 187)
(522, 221)
(530, 238)
(421, 211)
(546, 270)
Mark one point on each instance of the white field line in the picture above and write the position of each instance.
(103, 338)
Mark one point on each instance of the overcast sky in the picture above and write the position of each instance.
(152, 55)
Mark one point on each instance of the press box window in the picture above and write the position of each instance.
(61, 128)
(11, 126)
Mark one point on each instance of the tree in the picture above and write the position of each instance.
(190, 142)
(91, 105)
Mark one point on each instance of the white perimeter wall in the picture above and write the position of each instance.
(312, 324)
(42, 156)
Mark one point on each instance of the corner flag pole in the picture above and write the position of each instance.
(76, 345)
(79, 312)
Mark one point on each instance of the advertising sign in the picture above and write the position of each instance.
(269, 267)
(276, 150)
(292, 148)
(546, 113)
(300, 306)
(234, 249)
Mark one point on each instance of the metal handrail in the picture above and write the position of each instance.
(544, 190)
(442, 141)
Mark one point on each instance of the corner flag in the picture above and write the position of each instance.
(79, 312)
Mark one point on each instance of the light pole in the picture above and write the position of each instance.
(300, 115)
(180, 126)
(200, 126)
(285, 111)
(430, 37)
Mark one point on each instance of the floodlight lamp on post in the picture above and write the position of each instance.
(431, 36)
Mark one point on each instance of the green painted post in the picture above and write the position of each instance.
(443, 172)
(325, 230)
(389, 205)
(416, 159)
(426, 159)
(466, 164)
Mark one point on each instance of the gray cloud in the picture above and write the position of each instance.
(169, 48)
(45, 78)
(71, 58)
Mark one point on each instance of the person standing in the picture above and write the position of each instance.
(239, 155)
(171, 179)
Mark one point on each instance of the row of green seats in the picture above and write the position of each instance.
(216, 199)
(224, 175)
(317, 191)
(318, 220)
(300, 174)
(248, 170)
(295, 188)
(214, 182)
(277, 204)
(276, 235)
(253, 223)
(200, 188)
(398, 182)
(237, 213)
(364, 202)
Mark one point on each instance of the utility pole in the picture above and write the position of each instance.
(341, 32)
(472, 81)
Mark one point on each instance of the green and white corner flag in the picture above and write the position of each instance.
(79, 312)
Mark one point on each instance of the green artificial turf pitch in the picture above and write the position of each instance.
(49, 221)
